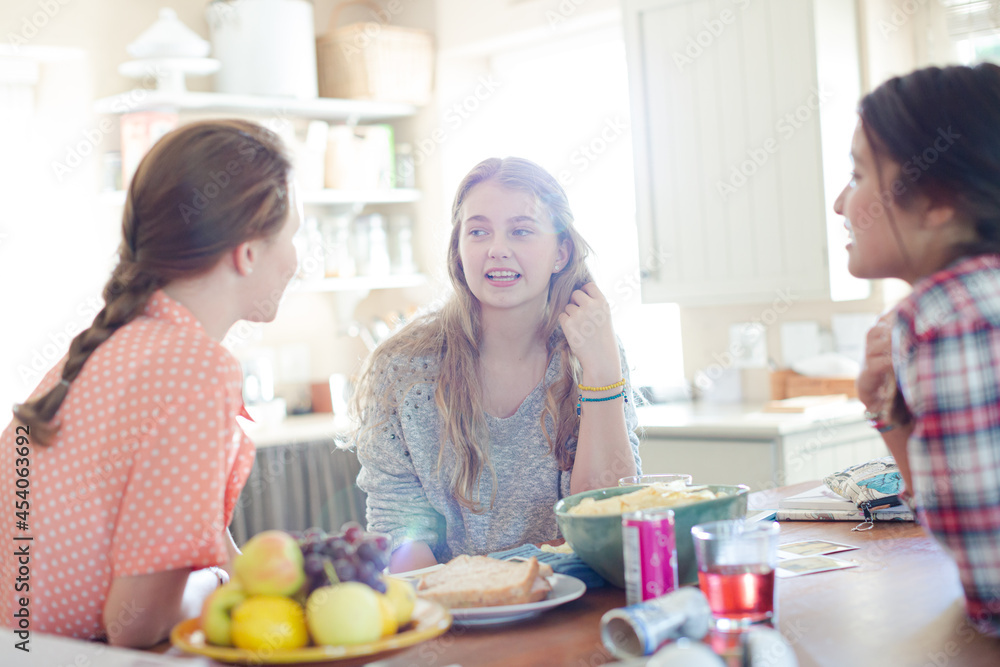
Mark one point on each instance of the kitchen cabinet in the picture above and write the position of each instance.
(740, 445)
(732, 143)
(274, 109)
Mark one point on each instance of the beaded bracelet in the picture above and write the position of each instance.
(581, 400)
(620, 383)
(878, 423)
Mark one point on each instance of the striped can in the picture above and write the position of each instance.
(650, 554)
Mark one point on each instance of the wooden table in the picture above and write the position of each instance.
(901, 607)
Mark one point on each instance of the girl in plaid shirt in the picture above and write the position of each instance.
(923, 205)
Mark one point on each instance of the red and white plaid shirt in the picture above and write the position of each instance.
(946, 354)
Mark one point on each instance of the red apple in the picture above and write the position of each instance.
(271, 564)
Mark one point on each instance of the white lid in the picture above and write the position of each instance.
(168, 37)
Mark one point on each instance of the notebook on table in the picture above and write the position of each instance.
(822, 504)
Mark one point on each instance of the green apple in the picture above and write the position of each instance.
(217, 613)
(271, 564)
(348, 613)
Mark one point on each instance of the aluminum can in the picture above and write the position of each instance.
(650, 554)
(640, 629)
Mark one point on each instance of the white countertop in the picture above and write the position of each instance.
(314, 427)
(739, 420)
(673, 420)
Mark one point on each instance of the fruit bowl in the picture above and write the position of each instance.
(597, 539)
(429, 620)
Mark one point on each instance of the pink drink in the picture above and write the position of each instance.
(739, 592)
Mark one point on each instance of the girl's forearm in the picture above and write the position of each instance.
(141, 610)
(603, 451)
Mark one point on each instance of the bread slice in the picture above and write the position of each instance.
(539, 590)
(480, 581)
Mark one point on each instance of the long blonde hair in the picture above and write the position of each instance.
(452, 336)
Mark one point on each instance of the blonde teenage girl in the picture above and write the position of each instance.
(128, 451)
(476, 419)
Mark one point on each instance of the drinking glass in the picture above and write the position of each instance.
(736, 562)
(643, 480)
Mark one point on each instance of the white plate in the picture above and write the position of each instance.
(564, 589)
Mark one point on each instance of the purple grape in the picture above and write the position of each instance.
(353, 532)
(381, 542)
(368, 551)
(381, 562)
(343, 550)
(346, 570)
(313, 564)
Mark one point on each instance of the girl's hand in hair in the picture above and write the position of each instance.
(586, 322)
(876, 383)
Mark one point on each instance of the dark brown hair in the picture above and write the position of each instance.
(942, 126)
(201, 190)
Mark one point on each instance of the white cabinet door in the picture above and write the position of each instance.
(725, 104)
(750, 462)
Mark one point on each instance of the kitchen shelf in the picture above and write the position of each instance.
(322, 108)
(393, 196)
(389, 196)
(361, 283)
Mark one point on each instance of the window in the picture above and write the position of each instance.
(974, 26)
(565, 105)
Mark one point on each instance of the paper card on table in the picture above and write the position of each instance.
(811, 548)
(794, 567)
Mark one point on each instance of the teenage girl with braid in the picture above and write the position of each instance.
(470, 429)
(135, 459)
(923, 205)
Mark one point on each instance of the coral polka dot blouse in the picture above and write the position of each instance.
(142, 476)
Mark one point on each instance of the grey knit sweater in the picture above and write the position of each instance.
(409, 499)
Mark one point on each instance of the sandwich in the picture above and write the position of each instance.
(480, 581)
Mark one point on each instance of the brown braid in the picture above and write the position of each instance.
(159, 244)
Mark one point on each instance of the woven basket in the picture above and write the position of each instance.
(374, 60)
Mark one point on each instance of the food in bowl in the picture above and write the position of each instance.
(648, 497)
(597, 538)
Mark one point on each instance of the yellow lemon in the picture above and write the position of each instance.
(269, 622)
(403, 597)
(388, 613)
